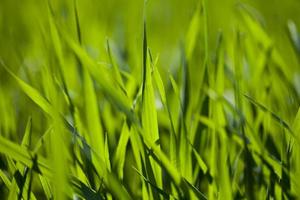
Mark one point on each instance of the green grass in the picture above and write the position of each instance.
(93, 107)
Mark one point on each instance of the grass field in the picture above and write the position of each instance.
(120, 99)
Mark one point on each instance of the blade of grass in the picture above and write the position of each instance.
(149, 114)
(120, 154)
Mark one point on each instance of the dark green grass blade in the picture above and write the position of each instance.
(85, 191)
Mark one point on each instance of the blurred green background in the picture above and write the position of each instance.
(24, 31)
(122, 20)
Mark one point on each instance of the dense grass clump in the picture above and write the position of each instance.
(123, 108)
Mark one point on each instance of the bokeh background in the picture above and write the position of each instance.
(24, 31)
(122, 21)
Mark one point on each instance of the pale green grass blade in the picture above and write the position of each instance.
(159, 83)
(149, 113)
(33, 94)
(92, 115)
(120, 154)
(192, 33)
(56, 41)
(184, 150)
(59, 158)
(162, 92)
(116, 70)
(27, 135)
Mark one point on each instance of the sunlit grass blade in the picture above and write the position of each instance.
(120, 154)
(32, 93)
(162, 92)
(193, 31)
(27, 135)
(92, 115)
(149, 114)
(116, 70)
